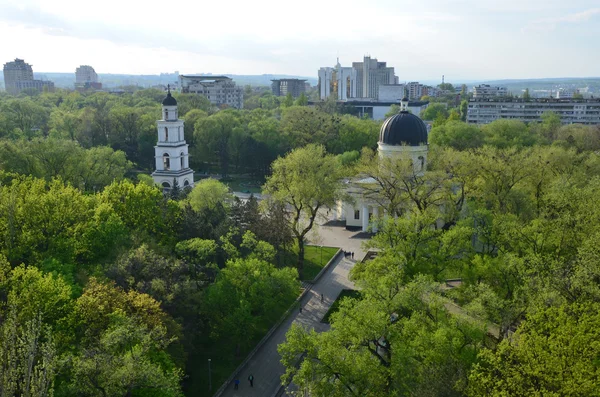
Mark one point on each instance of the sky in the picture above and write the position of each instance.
(422, 40)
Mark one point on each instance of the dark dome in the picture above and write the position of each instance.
(169, 100)
(403, 129)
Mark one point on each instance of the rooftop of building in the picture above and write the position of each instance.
(536, 100)
(288, 80)
(204, 77)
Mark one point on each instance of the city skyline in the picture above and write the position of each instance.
(464, 40)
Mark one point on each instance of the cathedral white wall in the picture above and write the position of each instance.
(417, 154)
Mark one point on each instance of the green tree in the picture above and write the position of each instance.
(464, 109)
(387, 343)
(435, 110)
(248, 295)
(122, 343)
(554, 352)
(394, 109)
(143, 209)
(302, 100)
(306, 180)
(287, 101)
(213, 135)
(32, 335)
(208, 193)
(458, 135)
(503, 133)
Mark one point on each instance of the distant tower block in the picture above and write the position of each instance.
(171, 151)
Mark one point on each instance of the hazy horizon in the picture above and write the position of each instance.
(464, 40)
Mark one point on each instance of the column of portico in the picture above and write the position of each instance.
(375, 216)
(365, 218)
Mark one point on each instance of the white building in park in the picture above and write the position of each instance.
(171, 151)
(402, 136)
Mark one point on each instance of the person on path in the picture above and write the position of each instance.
(352, 254)
(321, 298)
(251, 379)
(236, 384)
(300, 308)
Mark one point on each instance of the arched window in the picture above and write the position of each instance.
(182, 160)
(166, 114)
(166, 161)
(166, 185)
(422, 159)
(186, 183)
(166, 134)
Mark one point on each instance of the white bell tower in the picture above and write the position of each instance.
(171, 151)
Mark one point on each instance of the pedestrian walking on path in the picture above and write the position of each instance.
(321, 298)
(251, 379)
(236, 384)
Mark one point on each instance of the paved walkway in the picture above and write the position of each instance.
(265, 365)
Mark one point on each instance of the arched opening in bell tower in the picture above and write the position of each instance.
(166, 161)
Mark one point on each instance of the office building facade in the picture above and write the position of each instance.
(570, 111)
(295, 87)
(486, 91)
(219, 90)
(339, 82)
(370, 74)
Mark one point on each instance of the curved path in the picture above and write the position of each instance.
(265, 365)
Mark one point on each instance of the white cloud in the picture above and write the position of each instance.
(423, 40)
(548, 24)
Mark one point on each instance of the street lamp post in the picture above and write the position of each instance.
(209, 377)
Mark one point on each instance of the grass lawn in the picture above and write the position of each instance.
(315, 258)
(345, 293)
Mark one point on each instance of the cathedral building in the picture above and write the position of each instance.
(402, 136)
(171, 151)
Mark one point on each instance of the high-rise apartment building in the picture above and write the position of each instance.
(86, 77)
(483, 91)
(282, 87)
(570, 111)
(370, 74)
(415, 90)
(219, 90)
(18, 76)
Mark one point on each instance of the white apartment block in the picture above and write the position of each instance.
(219, 90)
(570, 111)
(484, 91)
